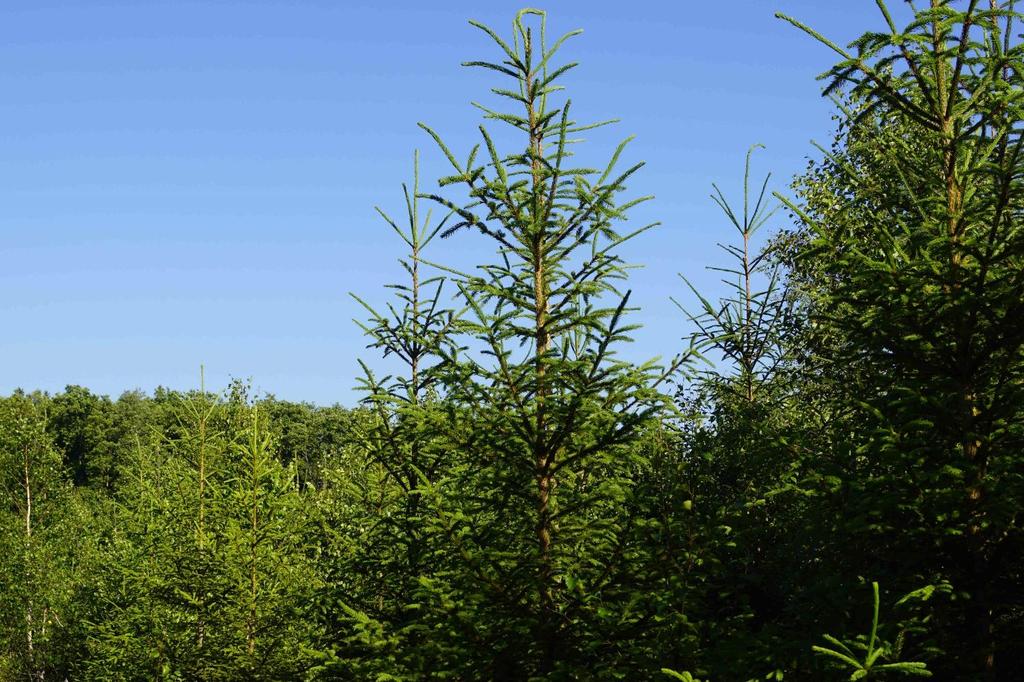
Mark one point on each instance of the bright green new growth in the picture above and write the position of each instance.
(870, 665)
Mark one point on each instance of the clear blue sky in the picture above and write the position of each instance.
(193, 182)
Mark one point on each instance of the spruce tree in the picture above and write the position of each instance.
(399, 434)
(734, 527)
(543, 418)
(267, 559)
(210, 570)
(746, 327)
(921, 285)
(164, 592)
(417, 333)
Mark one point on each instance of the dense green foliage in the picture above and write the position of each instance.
(826, 482)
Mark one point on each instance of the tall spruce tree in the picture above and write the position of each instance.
(543, 418)
(922, 283)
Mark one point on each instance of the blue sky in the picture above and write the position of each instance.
(186, 183)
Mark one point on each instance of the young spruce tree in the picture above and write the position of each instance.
(384, 557)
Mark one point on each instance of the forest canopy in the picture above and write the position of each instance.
(821, 479)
